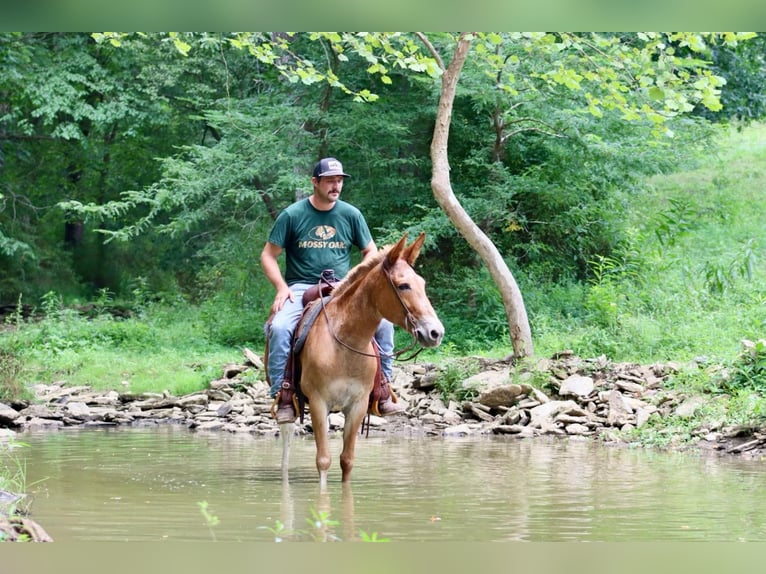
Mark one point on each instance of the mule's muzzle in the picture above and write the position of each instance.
(429, 332)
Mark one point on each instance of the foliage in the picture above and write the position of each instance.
(743, 98)
(13, 479)
(450, 381)
(163, 348)
(211, 520)
(748, 370)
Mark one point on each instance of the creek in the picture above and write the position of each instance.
(147, 484)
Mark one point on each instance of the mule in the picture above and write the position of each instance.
(338, 362)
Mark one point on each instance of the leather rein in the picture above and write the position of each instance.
(408, 321)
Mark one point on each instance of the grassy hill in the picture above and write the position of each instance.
(691, 281)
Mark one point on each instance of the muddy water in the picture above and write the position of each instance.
(148, 484)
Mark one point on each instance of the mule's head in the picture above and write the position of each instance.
(409, 306)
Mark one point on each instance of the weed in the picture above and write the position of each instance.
(11, 366)
(720, 276)
(211, 521)
(372, 537)
(748, 370)
(450, 382)
(676, 221)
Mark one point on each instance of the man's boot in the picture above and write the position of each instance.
(387, 403)
(285, 405)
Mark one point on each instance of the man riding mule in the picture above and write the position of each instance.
(316, 234)
(339, 360)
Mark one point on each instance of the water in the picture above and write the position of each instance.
(123, 484)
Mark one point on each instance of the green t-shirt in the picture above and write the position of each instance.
(316, 240)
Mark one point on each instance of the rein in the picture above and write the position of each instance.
(408, 320)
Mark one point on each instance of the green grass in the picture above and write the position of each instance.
(691, 279)
(166, 349)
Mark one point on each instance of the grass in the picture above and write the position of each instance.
(165, 349)
(689, 281)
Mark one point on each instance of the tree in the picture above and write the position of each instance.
(644, 78)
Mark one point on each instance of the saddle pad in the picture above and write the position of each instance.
(310, 313)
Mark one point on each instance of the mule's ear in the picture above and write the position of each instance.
(412, 252)
(396, 251)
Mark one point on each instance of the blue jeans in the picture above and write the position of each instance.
(280, 334)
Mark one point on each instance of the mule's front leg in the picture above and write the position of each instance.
(319, 422)
(350, 430)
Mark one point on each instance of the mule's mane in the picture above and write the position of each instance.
(360, 271)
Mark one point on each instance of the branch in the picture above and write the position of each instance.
(431, 49)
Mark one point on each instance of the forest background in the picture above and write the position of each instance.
(141, 174)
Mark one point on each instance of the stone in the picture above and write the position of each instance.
(629, 386)
(576, 429)
(619, 410)
(451, 417)
(459, 430)
(543, 415)
(232, 370)
(252, 358)
(77, 410)
(40, 411)
(194, 399)
(336, 420)
(689, 407)
(8, 414)
(502, 396)
(576, 385)
(486, 380)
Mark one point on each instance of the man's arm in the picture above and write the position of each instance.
(270, 267)
(369, 250)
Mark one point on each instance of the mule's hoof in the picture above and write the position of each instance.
(285, 414)
(388, 407)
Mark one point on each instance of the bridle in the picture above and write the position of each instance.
(409, 322)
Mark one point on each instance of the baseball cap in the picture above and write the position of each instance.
(329, 166)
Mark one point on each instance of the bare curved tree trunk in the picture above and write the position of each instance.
(518, 323)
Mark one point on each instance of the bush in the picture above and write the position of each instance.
(11, 366)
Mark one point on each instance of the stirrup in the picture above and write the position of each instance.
(374, 406)
(278, 400)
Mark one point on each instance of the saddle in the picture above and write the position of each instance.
(314, 299)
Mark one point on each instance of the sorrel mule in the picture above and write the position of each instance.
(338, 361)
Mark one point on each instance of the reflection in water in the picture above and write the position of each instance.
(145, 484)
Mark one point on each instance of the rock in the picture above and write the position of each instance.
(426, 382)
(232, 370)
(576, 385)
(336, 420)
(487, 380)
(504, 396)
(542, 415)
(576, 429)
(210, 426)
(629, 386)
(643, 414)
(8, 414)
(77, 410)
(451, 417)
(459, 430)
(254, 360)
(199, 399)
(619, 410)
(40, 411)
(687, 408)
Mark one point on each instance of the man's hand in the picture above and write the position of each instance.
(283, 295)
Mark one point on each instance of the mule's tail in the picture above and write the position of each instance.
(286, 433)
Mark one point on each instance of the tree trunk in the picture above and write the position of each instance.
(518, 324)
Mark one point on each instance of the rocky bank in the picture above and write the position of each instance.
(564, 395)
